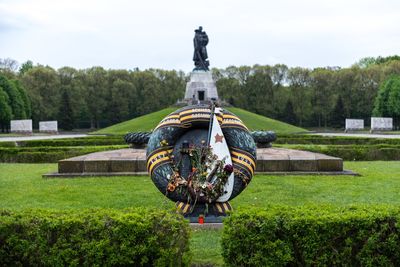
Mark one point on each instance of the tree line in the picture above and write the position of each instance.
(96, 97)
(320, 97)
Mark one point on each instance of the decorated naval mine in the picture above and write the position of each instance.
(188, 162)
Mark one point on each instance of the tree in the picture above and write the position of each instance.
(337, 117)
(72, 102)
(259, 94)
(43, 88)
(229, 90)
(321, 85)
(8, 64)
(25, 67)
(24, 96)
(5, 111)
(66, 117)
(96, 95)
(288, 114)
(387, 102)
(299, 81)
(14, 98)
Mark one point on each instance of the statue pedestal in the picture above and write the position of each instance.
(201, 88)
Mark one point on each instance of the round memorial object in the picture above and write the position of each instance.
(183, 161)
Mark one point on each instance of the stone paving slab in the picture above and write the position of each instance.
(133, 161)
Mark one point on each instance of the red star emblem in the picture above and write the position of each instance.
(219, 138)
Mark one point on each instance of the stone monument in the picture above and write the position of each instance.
(381, 124)
(21, 126)
(354, 124)
(48, 126)
(201, 88)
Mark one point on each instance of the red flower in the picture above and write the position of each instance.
(228, 168)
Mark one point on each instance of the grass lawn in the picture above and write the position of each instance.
(149, 122)
(21, 186)
(257, 122)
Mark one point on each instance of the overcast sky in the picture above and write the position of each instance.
(159, 33)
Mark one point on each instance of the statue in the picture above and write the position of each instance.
(200, 52)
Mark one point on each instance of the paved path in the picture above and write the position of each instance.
(40, 137)
(389, 136)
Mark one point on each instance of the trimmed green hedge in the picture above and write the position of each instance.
(313, 236)
(48, 154)
(84, 141)
(353, 152)
(139, 237)
(8, 144)
(337, 140)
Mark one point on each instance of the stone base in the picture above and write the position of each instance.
(201, 88)
(289, 160)
(133, 162)
(116, 161)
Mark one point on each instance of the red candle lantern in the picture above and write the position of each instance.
(201, 219)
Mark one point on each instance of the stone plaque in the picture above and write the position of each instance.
(353, 124)
(48, 126)
(382, 124)
(21, 126)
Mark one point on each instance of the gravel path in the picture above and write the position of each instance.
(44, 137)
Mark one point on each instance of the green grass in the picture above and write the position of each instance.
(22, 186)
(149, 122)
(257, 122)
(206, 248)
(144, 123)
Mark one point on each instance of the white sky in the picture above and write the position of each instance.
(158, 33)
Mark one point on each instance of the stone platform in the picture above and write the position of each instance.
(127, 162)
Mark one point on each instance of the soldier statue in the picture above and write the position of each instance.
(200, 52)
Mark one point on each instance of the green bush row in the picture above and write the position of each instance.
(84, 141)
(8, 144)
(138, 237)
(48, 154)
(353, 152)
(338, 140)
(313, 236)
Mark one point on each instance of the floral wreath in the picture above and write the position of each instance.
(201, 184)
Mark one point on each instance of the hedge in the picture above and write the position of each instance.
(138, 237)
(48, 154)
(313, 236)
(353, 152)
(337, 140)
(8, 144)
(84, 141)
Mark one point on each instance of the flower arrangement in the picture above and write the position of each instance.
(207, 177)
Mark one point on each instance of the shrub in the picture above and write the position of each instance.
(7, 144)
(354, 152)
(48, 154)
(313, 236)
(139, 237)
(337, 140)
(84, 141)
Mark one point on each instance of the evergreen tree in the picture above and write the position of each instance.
(24, 97)
(5, 111)
(66, 117)
(288, 113)
(338, 117)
